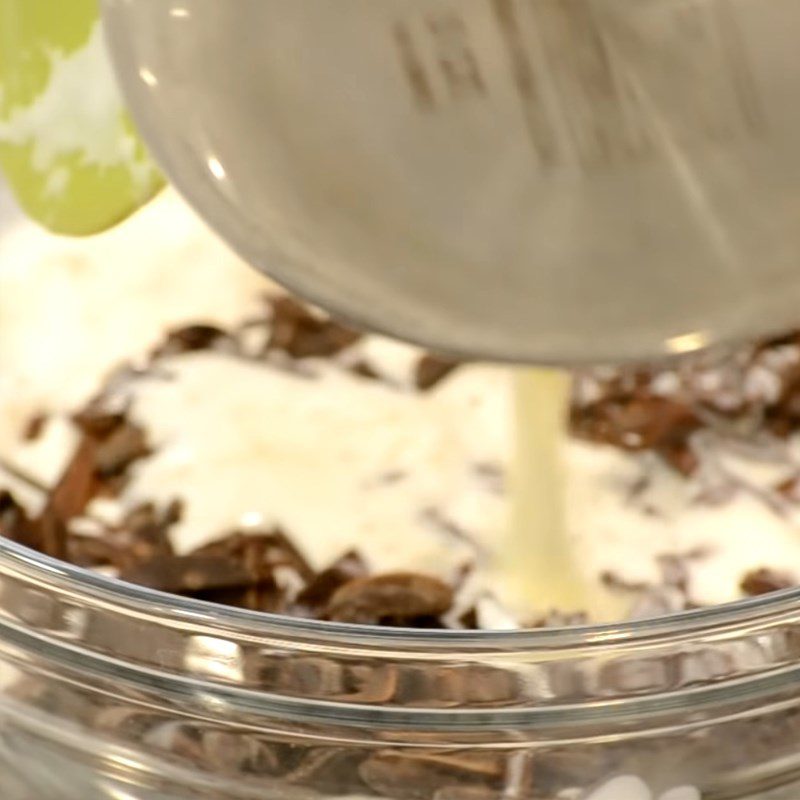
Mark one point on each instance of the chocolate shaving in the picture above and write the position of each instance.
(240, 570)
(35, 426)
(126, 444)
(260, 553)
(409, 776)
(637, 422)
(193, 338)
(93, 552)
(14, 521)
(233, 753)
(616, 582)
(266, 596)
(400, 598)
(117, 441)
(364, 369)
(110, 444)
(321, 588)
(189, 574)
(335, 768)
(78, 485)
(432, 370)
(790, 489)
(302, 334)
(749, 395)
(142, 536)
(680, 456)
(96, 422)
(765, 580)
(469, 619)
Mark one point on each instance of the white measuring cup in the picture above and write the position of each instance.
(532, 180)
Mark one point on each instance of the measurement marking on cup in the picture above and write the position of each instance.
(414, 67)
(457, 61)
(592, 88)
(527, 83)
(580, 71)
(437, 54)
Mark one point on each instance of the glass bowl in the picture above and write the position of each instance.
(112, 691)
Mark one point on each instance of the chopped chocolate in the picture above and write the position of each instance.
(265, 596)
(79, 483)
(420, 776)
(189, 574)
(469, 619)
(790, 489)
(300, 333)
(96, 551)
(637, 422)
(144, 531)
(367, 683)
(783, 417)
(680, 456)
(432, 370)
(192, 338)
(255, 570)
(364, 369)
(317, 594)
(334, 769)
(748, 395)
(667, 411)
(242, 570)
(400, 598)
(15, 524)
(117, 442)
(443, 688)
(614, 581)
(97, 422)
(235, 753)
(117, 451)
(260, 553)
(764, 581)
(143, 535)
(34, 427)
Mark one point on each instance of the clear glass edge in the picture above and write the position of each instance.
(656, 707)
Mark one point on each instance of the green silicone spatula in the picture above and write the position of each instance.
(67, 147)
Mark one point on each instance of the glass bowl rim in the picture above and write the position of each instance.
(90, 584)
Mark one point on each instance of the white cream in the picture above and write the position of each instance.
(338, 460)
(71, 310)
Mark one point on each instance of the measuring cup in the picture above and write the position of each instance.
(531, 180)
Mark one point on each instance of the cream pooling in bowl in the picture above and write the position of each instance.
(413, 480)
